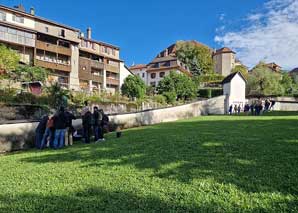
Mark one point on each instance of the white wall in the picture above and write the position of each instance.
(28, 22)
(124, 73)
(16, 136)
(235, 91)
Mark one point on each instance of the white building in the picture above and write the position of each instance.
(124, 73)
(140, 70)
(234, 86)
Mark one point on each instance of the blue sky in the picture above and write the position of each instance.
(143, 28)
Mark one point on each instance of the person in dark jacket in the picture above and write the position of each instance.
(104, 125)
(87, 118)
(60, 126)
(69, 128)
(40, 130)
(96, 121)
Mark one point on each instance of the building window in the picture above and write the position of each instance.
(62, 33)
(153, 75)
(161, 74)
(18, 19)
(143, 75)
(46, 29)
(2, 16)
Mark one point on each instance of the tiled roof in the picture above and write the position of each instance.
(229, 78)
(294, 71)
(224, 50)
(138, 66)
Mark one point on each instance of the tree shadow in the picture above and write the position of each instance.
(95, 199)
(254, 155)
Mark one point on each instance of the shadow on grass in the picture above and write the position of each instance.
(96, 199)
(254, 155)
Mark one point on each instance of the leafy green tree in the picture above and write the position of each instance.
(242, 69)
(197, 58)
(262, 81)
(288, 84)
(179, 84)
(57, 95)
(26, 73)
(9, 59)
(133, 87)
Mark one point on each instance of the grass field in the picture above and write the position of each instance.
(206, 164)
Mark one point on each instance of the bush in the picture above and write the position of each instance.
(210, 92)
(170, 97)
(160, 99)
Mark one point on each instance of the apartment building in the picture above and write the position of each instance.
(140, 70)
(167, 61)
(99, 64)
(164, 63)
(75, 61)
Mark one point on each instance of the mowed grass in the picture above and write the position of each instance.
(206, 164)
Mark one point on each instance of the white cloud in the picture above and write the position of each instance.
(271, 35)
(222, 16)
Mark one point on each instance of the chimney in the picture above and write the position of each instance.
(89, 33)
(20, 7)
(32, 11)
(166, 52)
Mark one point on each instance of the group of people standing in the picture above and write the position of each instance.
(57, 131)
(255, 108)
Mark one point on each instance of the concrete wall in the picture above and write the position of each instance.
(74, 82)
(21, 136)
(28, 22)
(54, 30)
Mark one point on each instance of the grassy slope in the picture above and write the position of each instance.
(214, 163)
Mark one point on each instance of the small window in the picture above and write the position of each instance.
(143, 75)
(18, 19)
(2, 16)
(153, 75)
(161, 74)
(62, 33)
(46, 29)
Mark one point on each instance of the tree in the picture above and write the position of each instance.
(179, 84)
(197, 58)
(242, 69)
(287, 83)
(57, 95)
(263, 82)
(25, 73)
(9, 59)
(133, 87)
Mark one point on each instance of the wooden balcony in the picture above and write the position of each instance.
(53, 66)
(53, 48)
(113, 81)
(112, 68)
(96, 65)
(88, 63)
(97, 78)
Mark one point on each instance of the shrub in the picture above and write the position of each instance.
(170, 97)
(161, 99)
(210, 92)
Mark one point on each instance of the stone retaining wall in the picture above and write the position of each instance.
(21, 135)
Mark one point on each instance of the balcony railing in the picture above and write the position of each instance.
(112, 68)
(113, 81)
(53, 48)
(92, 63)
(53, 66)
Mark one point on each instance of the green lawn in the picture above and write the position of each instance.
(207, 164)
